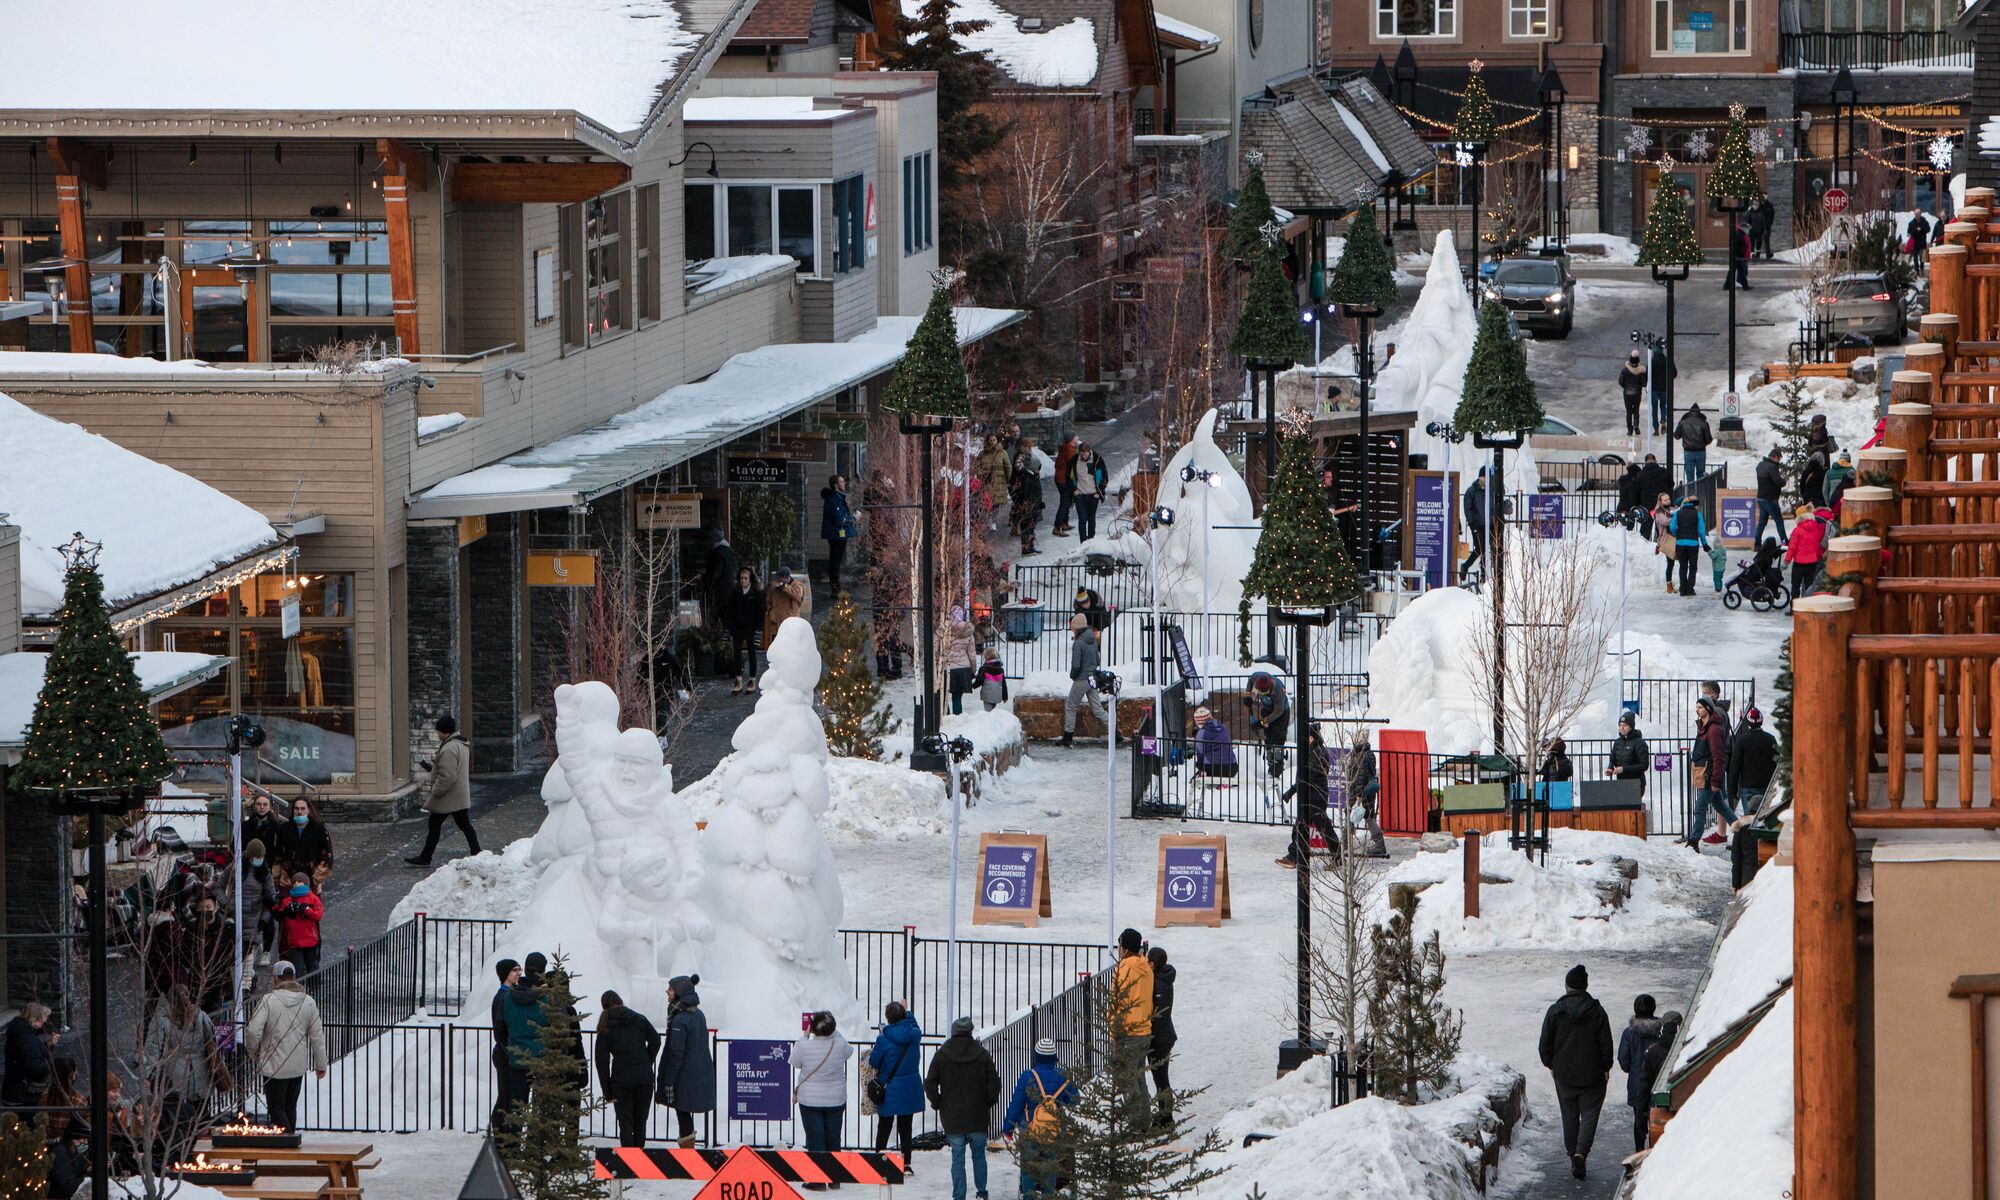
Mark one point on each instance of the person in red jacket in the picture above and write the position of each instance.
(299, 912)
(1806, 547)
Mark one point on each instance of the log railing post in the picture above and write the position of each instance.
(1942, 329)
(1857, 559)
(1868, 510)
(1826, 1075)
(1933, 359)
(1980, 198)
(1882, 466)
(1948, 263)
(1980, 318)
(1961, 233)
(1909, 428)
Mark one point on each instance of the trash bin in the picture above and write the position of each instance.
(1022, 621)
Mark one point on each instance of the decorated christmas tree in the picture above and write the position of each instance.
(850, 696)
(1499, 398)
(1253, 213)
(1735, 173)
(1413, 1035)
(1781, 716)
(24, 1157)
(1269, 333)
(1474, 122)
(1300, 561)
(1793, 428)
(540, 1142)
(1669, 240)
(1364, 276)
(930, 381)
(91, 728)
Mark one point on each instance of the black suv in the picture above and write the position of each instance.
(1539, 292)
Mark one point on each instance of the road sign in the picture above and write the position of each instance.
(1835, 200)
(746, 1176)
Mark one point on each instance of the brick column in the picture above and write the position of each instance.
(436, 649)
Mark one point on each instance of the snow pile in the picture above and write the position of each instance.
(1602, 248)
(1563, 903)
(438, 423)
(866, 801)
(1733, 1137)
(1752, 963)
(1849, 410)
(1062, 55)
(1221, 553)
(495, 885)
(990, 733)
(159, 528)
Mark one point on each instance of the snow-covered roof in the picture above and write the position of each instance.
(162, 673)
(762, 108)
(749, 391)
(1194, 35)
(715, 274)
(604, 59)
(1321, 151)
(160, 529)
(1752, 963)
(1058, 54)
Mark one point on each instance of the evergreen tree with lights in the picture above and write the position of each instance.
(1300, 560)
(540, 1142)
(850, 696)
(930, 381)
(91, 729)
(1498, 398)
(1268, 333)
(1669, 239)
(933, 39)
(1245, 237)
(1735, 173)
(1364, 276)
(1474, 122)
(1793, 427)
(1413, 1035)
(24, 1157)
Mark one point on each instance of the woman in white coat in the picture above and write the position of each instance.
(285, 1040)
(819, 1083)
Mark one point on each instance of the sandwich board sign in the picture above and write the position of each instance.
(1013, 880)
(1193, 883)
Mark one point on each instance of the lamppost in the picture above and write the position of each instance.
(1671, 275)
(1496, 575)
(1467, 156)
(1844, 97)
(1731, 207)
(244, 734)
(1302, 621)
(954, 752)
(1105, 684)
(1552, 103)
(929, 713)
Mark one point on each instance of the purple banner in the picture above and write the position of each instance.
(1188, 882)
(760, 1080)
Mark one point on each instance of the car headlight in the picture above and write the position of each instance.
(1555, 298)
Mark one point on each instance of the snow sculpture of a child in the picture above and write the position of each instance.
(586, 723)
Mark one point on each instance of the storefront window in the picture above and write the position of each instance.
(1701, 26)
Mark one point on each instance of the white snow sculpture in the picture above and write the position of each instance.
(1231, 547)
(1417, 672)
(774, 889)
(591, 714)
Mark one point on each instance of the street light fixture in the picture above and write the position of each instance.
(1302, 619)
(1670, 276)
(1552, 215)
(1844, 96)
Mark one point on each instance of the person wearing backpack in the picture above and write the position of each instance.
(1576, 1048)
(963, 1085)
(1640, 1042)
(897, 1091)
(1040, 1095)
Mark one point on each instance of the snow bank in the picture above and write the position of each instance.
(1562, 904)
(1733, 1137)
(438, 423)
(489, 884)
(866, 801)
(1849, 410)
(1752, 963)
(1602, 248)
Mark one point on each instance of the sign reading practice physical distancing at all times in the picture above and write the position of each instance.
(1013, 880)
(1193, 884)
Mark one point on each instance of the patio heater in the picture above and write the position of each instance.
(1552, 107)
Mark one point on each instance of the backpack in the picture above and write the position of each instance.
(1045, 1122)
(1653, 1059)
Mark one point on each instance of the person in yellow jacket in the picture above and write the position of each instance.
(1132, 1024)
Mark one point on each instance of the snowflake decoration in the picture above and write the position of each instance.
(1638, 138)
(1760, 142)
(1296, 422)
(1698, 144)
(1736, 110)
(1941, 151)
(1271, 232)
(1461, 153)
(1255, 158)
(80, 551)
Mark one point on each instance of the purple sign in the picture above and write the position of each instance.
(1738, 516)
(1336, 776)
(760, 1080)
(1433, 521)
(1007, 877)
(1188, 882)
(1663, 762)
(1545, 515)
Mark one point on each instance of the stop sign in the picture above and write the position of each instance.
(1835, 200)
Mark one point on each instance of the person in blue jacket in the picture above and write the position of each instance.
(1042, 1082)
(897, 1057)
(1214, 756)
(686, 1080)
(836, 525)
(1690, 539)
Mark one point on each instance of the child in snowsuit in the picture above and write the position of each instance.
(992, 680)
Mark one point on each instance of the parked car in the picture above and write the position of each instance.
(1540, 293)
(1579, 461)
(1862, 303)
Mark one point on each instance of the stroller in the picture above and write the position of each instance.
(1759, 580)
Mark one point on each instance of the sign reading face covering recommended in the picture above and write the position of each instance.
(1007, 877)
(1193, 885)
(1013, 880)
(760, 1084)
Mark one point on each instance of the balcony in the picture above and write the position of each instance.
(1919, 49)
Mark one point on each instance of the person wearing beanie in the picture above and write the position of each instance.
(1160, 1051)
(1753, 759)
(1040, 1093)
(509, 972)
(963, 1085)
(449, 796)
(1576, 1048)
(1635, 1045)
(286, 1039)
(687, 1066)
(260, 893)
(1214, 756)
(1132, 1023)
(1083, 662)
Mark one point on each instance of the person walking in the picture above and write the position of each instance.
(1040, 1094)
(299, 913)
(994, 473)
(787, 597)
(1738, 272)
(1083, 662)
(1309, 792)
(626, 1046)
(27, 1060)
(1576, 1048)
(1131, 1010)
(305, 845)
(1660, 372)
(1654, 479)
(836, 525)
(1917, 240)
(960, 657)
(1753, 759)
(686, 1080)
(263, 823)
(992, 679)
(1632, 382)
(1476, 522)
(897, 1091)
(260, 895)
(1270, 716)
(1066, 456)
(1025, 495)
(742, 616)
(1641, 1034)
(1631, 757)
(450, 794)
(1695, 438)
(819, 1083)
(182, 1067)
(1807, 547)
(509, 972)
(1767, 221)
(1160, 1052)
(286, 1039)
(963, 1085)
(1364, 793)
(1690, 530)
(1770, 488)
(1708, 764)
(1088, 484)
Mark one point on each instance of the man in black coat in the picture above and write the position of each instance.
(626, 1045)
(1660, 371)
(718, 576)
(509, 972)
(1576, 1048)
(1770, 489)
(1477, 520)
(27, 1057)
(963, 1085)
(1654, 481)
(1753, 759)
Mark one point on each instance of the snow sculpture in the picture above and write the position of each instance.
(771, 877)
(1228, 543)
(1418, 670)
(591, 715)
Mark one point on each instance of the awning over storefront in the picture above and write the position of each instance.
(1176, 34)
(161, 673)
(750, 391)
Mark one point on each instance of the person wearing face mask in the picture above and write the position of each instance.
(1632, 382)
(260, 895)
(306, 845)
(299, 913)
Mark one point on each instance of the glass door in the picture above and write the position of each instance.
(217, 315)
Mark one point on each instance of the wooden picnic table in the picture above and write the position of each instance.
(301, 1188)
(341, 1163)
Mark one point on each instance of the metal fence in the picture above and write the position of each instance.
(1121, 585)
(1065, 1017)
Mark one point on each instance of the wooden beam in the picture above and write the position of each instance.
(406, 160)
(534, 183)
(402, 263)
(69, 214)
(74, 158)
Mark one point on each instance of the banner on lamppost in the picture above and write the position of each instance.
(1431, 534)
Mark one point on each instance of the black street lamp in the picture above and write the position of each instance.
(1844, 96)
(1468, 156)
(1732, 207)
(1293, 1052)
(929, 711)
(1496, 572)
(1671, 276)
(1552, 106)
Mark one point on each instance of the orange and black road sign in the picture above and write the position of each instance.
(790, 1166)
